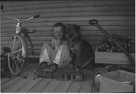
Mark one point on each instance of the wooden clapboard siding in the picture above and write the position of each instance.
(115, 16)
(73, 10)
(71, 3)
(83, 28)
(83, 23)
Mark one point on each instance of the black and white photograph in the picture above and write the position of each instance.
(67, 46)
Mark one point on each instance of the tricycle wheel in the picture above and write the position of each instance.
(16, 57)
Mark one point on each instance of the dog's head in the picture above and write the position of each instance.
(72, 31)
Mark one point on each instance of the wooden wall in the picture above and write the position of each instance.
(115, 16)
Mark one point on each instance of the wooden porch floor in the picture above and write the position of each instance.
(37, 85)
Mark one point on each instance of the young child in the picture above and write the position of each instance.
(57, 52)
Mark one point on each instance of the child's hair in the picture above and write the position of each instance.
(59, 25)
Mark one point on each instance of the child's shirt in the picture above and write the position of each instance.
(55, 43)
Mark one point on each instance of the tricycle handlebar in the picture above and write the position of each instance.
(17, 19)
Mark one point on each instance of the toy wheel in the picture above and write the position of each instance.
(16, 57)
(97, 75)
(110, 68)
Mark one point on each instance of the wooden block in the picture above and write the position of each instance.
(45, 73)
(72, 77)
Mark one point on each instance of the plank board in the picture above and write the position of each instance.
(52, 4)
(16, 79)
(72, 9)
(88, 28)
(63, 87)
(31, 71)
(52, 86)
(77, 13)
(21, 85)
(40, 86)
(4, 80)
(28, 86)
(75, 87)
(26, 68)
(86, 18)
(9, 83)
(17, 85)
(86, 87)
(81, 23)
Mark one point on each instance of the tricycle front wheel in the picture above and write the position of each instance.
(16, 57)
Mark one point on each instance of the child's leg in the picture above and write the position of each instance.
(45, 53)
(62, 57)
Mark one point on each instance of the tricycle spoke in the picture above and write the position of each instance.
(13, 64)
(20, 50)
(17, 68)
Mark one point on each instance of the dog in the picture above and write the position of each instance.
(80, 48)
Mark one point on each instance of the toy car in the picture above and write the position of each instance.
(69, 74)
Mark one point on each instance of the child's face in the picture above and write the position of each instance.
(58, 32)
